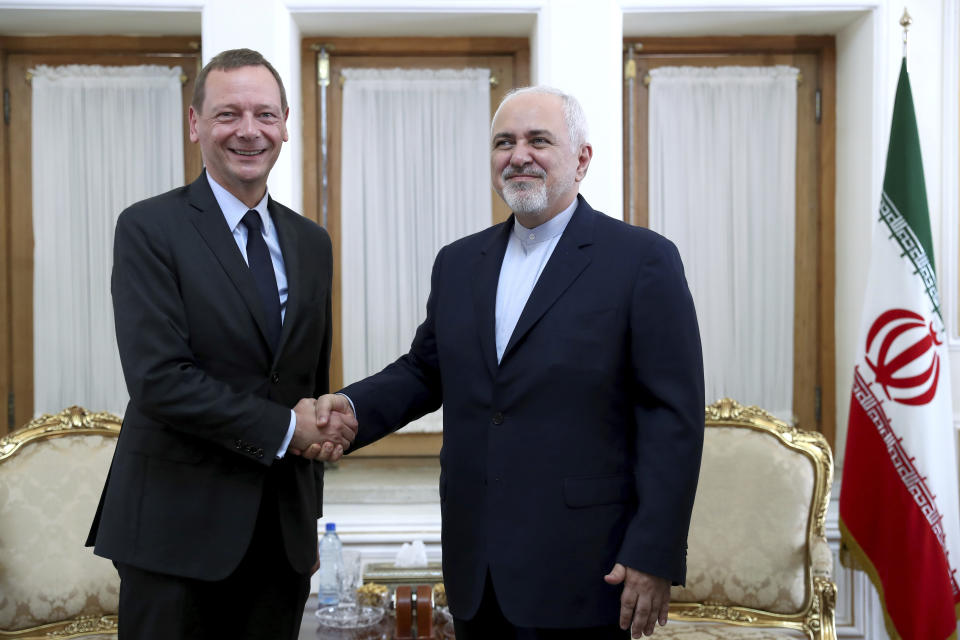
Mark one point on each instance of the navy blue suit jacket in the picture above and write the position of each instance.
(581, 448)
(209, 401)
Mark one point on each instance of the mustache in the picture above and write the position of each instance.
(512, 172)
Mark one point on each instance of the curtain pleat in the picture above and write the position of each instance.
(103, 138)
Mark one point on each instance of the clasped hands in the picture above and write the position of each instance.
(326, 427)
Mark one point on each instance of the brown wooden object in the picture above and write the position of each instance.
(404, 611)
(424, 612)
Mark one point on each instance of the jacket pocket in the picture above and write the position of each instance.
(591, 491)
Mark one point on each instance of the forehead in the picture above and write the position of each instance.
(531, 112)
(251, 84)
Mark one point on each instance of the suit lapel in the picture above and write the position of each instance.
(291, 263)
(565, 264)
(487, 274)
(212, 226)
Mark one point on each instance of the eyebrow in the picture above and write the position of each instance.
(235, 106)
(532, 133)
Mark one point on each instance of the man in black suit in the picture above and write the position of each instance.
(564, 348)
(222, 308)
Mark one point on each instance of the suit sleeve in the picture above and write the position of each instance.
(163, 378)
(667, 387)
(406, 389)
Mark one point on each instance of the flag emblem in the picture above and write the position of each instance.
(904, 356)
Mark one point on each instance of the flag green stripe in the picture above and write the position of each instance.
(903, 181)
(912, 250)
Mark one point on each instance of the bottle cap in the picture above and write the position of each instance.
(331, 526)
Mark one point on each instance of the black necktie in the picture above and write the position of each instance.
(258, 256)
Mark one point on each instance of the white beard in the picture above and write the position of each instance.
(524, 198)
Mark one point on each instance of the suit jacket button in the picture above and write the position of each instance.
(498, 418)
(238, 444)
(275, 377)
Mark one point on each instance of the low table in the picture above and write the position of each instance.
(310, 628)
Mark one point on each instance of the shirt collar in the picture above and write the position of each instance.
(234, 210)
(546, 231)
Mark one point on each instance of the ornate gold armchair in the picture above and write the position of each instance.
(51, 474)
(758, 563)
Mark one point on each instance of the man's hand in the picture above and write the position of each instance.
(333, 416)
(326, 440)
(645, 599)
(331, 404)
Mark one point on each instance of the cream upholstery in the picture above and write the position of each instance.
(757, 552)
(718, 631)
(51, 474)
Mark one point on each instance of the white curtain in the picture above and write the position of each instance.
(722, 187)
(416, 176)
(103, 138)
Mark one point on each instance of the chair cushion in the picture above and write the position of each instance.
(676, 630)
(748, 534)
(49, 492)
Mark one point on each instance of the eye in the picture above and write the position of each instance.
(540, 141)
(502, 143)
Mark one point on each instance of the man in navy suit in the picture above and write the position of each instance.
(221, 300)
(564, 348)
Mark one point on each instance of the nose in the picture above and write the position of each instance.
(520, 155)
(247, 127)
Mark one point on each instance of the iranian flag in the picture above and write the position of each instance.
(898, 501)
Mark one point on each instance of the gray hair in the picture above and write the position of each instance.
(572, 112)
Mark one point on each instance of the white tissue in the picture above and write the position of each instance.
(412, 554)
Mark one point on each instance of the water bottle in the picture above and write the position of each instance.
(331, 559)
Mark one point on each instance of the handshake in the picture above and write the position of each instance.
(326, 427)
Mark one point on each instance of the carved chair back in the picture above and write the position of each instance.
(51, 474)
(757, 550)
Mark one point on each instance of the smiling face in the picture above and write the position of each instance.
(240, 128)
(533, 164)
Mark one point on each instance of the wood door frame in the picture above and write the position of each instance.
(517, 48)
(7, 419)
(824, 47)
(15, 266)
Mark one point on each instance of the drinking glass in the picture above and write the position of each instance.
(350, 577)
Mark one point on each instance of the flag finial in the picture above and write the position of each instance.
(905, 22)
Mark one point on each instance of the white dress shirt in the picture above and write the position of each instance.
(528, 251)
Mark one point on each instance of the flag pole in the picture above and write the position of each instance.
(905, 22)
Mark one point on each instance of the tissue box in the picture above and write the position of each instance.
(387, 574)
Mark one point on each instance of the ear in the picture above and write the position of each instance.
(192, 115)
(286, 114)
(583, 160)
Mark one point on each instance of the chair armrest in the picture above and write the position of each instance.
(821, 557)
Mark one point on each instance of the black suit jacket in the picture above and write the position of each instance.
(209, 402)
(581, 448)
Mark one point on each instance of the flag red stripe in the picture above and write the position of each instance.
(884, 519)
